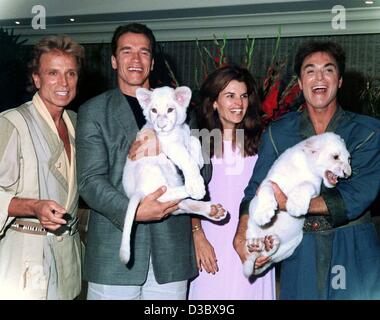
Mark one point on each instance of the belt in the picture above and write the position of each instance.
(36, 228)
(323, 223)
(28, 227)
(70, 228)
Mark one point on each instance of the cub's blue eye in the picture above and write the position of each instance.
(170, 110)
(154, 110)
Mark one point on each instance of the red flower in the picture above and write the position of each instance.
(270, 101)
(277, 103)
(292, 95)
(269, 78)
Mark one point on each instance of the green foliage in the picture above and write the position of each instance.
(370, 98)
(249, 47)
(10, 45)
(13, 74)
(279, 91)
(209, 60)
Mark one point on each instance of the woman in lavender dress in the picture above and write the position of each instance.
(230, 104)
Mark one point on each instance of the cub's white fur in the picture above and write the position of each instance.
(299, 172)
(165, 111)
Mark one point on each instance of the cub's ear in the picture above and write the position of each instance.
(182, 96)
(144, 96)
(312, 146)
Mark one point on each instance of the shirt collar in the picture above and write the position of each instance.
(306, 126)
(44, 113)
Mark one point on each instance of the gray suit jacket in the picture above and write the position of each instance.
(105, 130)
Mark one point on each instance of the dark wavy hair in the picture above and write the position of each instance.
(133, 28)
(308, 48)
(208, 118)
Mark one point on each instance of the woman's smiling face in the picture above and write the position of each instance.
(232, 104)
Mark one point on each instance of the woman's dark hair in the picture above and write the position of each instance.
(133, 28)
(208, 118)
(308, 48)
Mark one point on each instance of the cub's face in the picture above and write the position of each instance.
(337, 161)
(163, 113)
(164, 108)
(332, 160)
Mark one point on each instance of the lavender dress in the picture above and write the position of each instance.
(230, 176)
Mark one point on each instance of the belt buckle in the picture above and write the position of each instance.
(70, 226)
(316, 224)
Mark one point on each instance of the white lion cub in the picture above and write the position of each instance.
(299, 172)
(165, 111)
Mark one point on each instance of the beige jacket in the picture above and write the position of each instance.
(33, 165)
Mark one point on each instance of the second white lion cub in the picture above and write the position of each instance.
(299, 172)
(165, 112)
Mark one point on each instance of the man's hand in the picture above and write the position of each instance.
(317, 205)
(281, 198)
(150, 209)
(261, 261)
(146, 145)
(49, 213)
(240, 243)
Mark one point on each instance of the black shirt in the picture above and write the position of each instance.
(137, 111)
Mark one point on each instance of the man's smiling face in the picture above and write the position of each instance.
(133, 61)
(320, 80)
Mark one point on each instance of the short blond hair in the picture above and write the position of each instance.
(62, 43)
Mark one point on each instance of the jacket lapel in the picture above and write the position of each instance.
(123, 113)
(306, 127)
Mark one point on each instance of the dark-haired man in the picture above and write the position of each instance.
(162, 257)
(339, 256)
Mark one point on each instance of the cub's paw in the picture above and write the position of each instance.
(296, 206)
(255, 245)
(217, 212)
(264, 213)
(195, 187)
(271, 244)
(258, 247)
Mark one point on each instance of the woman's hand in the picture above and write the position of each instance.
(205, 254)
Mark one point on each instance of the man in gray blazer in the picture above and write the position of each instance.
(162, 248)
